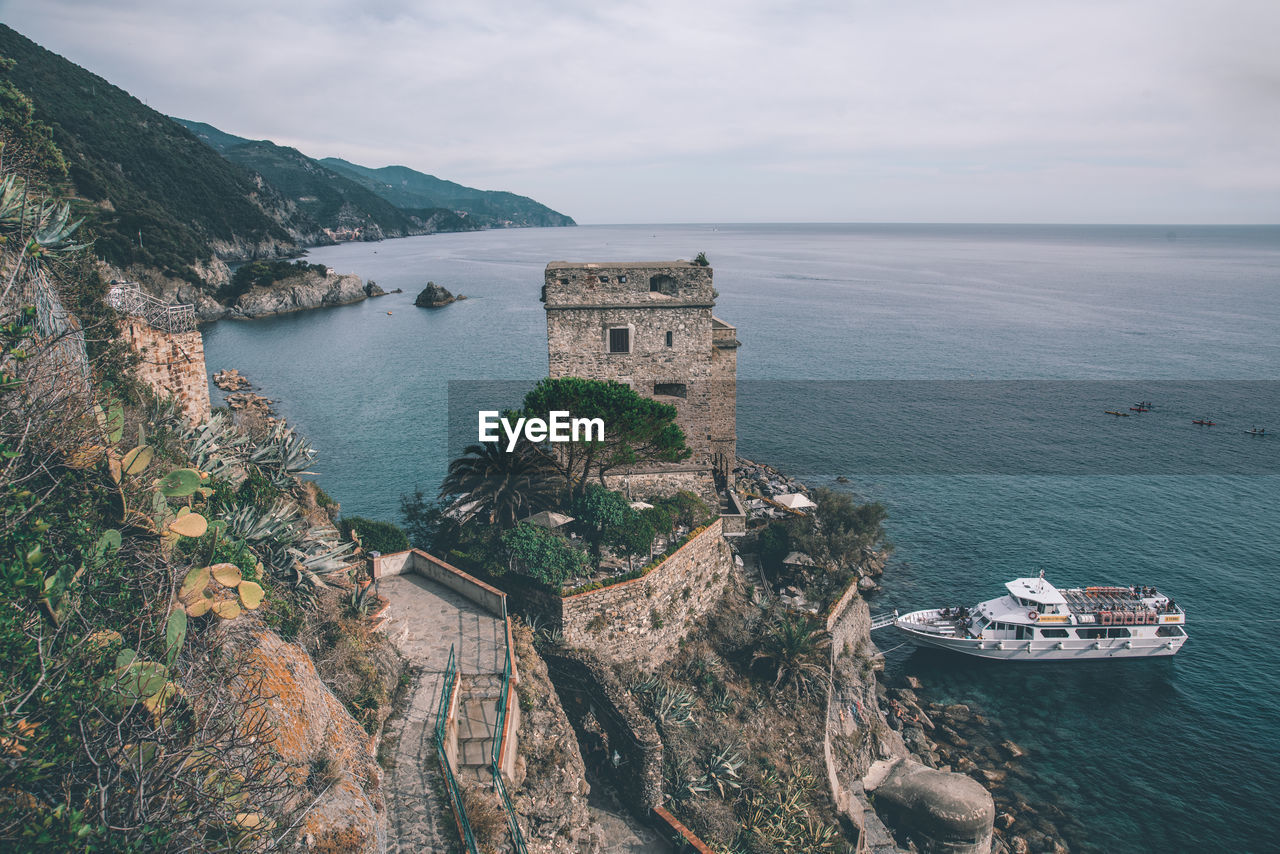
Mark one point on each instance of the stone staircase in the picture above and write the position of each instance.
(478, 699)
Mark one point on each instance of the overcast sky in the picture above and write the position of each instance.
(735, 110)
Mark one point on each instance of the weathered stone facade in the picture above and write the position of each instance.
(650, 325)
(173, 365)
(644, 619)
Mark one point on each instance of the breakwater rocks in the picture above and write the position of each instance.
(240, 399)
(957, 737)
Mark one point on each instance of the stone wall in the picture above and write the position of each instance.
(643, 620)
(608, 720)
(695, 372)
(172, 365)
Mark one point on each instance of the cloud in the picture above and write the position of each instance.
(661, 110)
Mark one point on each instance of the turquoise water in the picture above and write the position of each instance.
(1178, 755)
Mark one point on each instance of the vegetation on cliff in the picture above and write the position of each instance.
(137, 553)
(325, 199)
(412, 190)
(152, 194)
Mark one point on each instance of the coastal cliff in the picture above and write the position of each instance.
(311, 290)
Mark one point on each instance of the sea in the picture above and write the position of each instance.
(960, 375)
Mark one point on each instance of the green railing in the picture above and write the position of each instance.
(495, 758)
(450, 684)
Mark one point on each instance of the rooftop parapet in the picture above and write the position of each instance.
(628, 284)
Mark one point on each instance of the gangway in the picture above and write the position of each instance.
(883, 620)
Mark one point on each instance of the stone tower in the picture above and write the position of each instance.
(650, 325)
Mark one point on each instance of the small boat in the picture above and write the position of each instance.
(1205, 422)
(1038, 622)
(1256, 432)
(1117, 413)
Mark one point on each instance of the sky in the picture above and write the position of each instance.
(1123, 111)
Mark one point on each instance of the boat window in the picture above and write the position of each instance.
(1170, 632)
(1092, 633)
(1118, 633)
(1023, 633)
(1053, 633)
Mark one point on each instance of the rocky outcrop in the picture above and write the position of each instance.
(231, 380)
(298, 294)
(313, 735)
(434, 296)
(371, 289)
(938, 811)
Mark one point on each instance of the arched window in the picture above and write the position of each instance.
(662, 284)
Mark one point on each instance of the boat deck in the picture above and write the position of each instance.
(1091, 600)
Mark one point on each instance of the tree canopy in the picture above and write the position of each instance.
(637, 429)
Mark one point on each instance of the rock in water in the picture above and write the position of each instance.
(371, 289)
(938, 810)
(434, 296)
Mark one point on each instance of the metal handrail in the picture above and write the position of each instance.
(451, 783)
(495, 756)
(128, 298)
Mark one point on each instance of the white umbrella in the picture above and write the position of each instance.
(641, 505)
(548, 519)
(794, 500)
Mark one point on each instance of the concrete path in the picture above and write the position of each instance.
(423, 621)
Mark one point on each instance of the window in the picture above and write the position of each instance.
(622, 279)
(620, 339)
(1118, 633)
(670, 338)
(1054, 633)
(670, 389)
(662, 284)
(603, 279)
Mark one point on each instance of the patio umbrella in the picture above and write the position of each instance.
(548, 519)
(641, 505)
(794, 500)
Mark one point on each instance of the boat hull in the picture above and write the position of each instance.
(1048, 650)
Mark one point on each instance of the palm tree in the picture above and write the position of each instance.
(792, 648)
(500, 487)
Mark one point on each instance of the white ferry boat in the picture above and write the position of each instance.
(1036, 621)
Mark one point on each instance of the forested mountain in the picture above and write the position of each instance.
(159, 196)
(407, 188)
(324, 198)
(325, 184)
(153, 194)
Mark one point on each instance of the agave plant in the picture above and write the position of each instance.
(278, 524)
(214, 445)
(720, 771)
(282, 455)
(669, 704)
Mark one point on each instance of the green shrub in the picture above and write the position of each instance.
(375, 536)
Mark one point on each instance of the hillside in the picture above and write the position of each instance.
(153, 194)
(407, 188)
(323, 201)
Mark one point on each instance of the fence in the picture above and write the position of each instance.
(447, 691)
(127, 298)
(499, 736)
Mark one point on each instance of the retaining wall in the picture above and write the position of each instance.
(645, 618)
(173, 365)
(587, 687)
